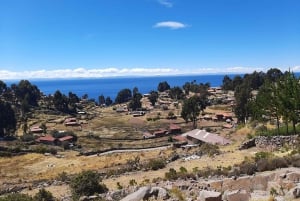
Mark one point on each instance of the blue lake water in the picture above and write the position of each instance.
(94, 87)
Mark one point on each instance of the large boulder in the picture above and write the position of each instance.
(294, 192)
(215, 184)
(242, 182)
(205, 195)
(236, 195)
(293, 176)
(159, 193)
(138, 195)
(260, 182)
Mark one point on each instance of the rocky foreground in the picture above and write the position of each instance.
(280, 185)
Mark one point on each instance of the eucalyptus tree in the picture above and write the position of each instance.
(192, 107)
(243, 97)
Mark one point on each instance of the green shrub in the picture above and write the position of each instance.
(171, 175)
(155, 164)
(43, 195)
(86, 183)
(28, 137)
(262, 155)
(16, 197)
(208, 149)
(119, 186)
(132, 182)
(63, 177)
(248, 168)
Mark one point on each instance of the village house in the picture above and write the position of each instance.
(48, 139)
(36, 129)
(160, 133)
(198, 136)
(174, 129)
(71, 122)
(68, 139)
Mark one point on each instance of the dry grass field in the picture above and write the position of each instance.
(121, 128)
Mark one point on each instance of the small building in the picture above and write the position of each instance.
(227, 116)
(198, 136)
(48, 139)
(228, 126)
(147, 135)
(137, 113)
(179, 141)
(160, 133)
(71, 122)
(68, 138)
(36, 129)
(174, 129)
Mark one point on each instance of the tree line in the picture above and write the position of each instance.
(277, 98)
(273, 95)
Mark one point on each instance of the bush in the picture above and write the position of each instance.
(248, 168)
(86, 183)
(171, 175)
(16, 197)
(27, 138)
(155, 164)
(43, 195)
(208, 149)
(262, 155)
(63, 177)
(295, 161)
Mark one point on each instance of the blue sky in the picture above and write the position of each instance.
(96, 38)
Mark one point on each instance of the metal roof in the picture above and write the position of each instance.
(207, 137)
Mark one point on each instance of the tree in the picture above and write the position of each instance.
(227, 83)
(123, 96)
(273, 74)
(86, 183)
(3, 87)
(108, 101)
(8, 120)
(163, 86)
(26, 91)
(187, 88)
(135, 91)
(176, 93)
(191, 108)
(43, 195)
(60, 101)
(153, 97)
(290, 99)
(101, 99)
(242, 96)
(237, 80)
(135, 102)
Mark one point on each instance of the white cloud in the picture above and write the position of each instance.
(166, 3)
(113, 72)
(86, 73)
(170, 24)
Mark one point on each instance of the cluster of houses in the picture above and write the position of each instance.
(198, 137)
(173, 129)
(50, 140)
(193, 137)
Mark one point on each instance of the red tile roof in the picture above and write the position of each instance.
(66, 138)
(180, 138)
(174, 127)
(47, 138)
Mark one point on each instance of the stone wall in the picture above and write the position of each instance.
(271, 142)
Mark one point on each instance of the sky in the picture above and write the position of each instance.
(102, 38)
